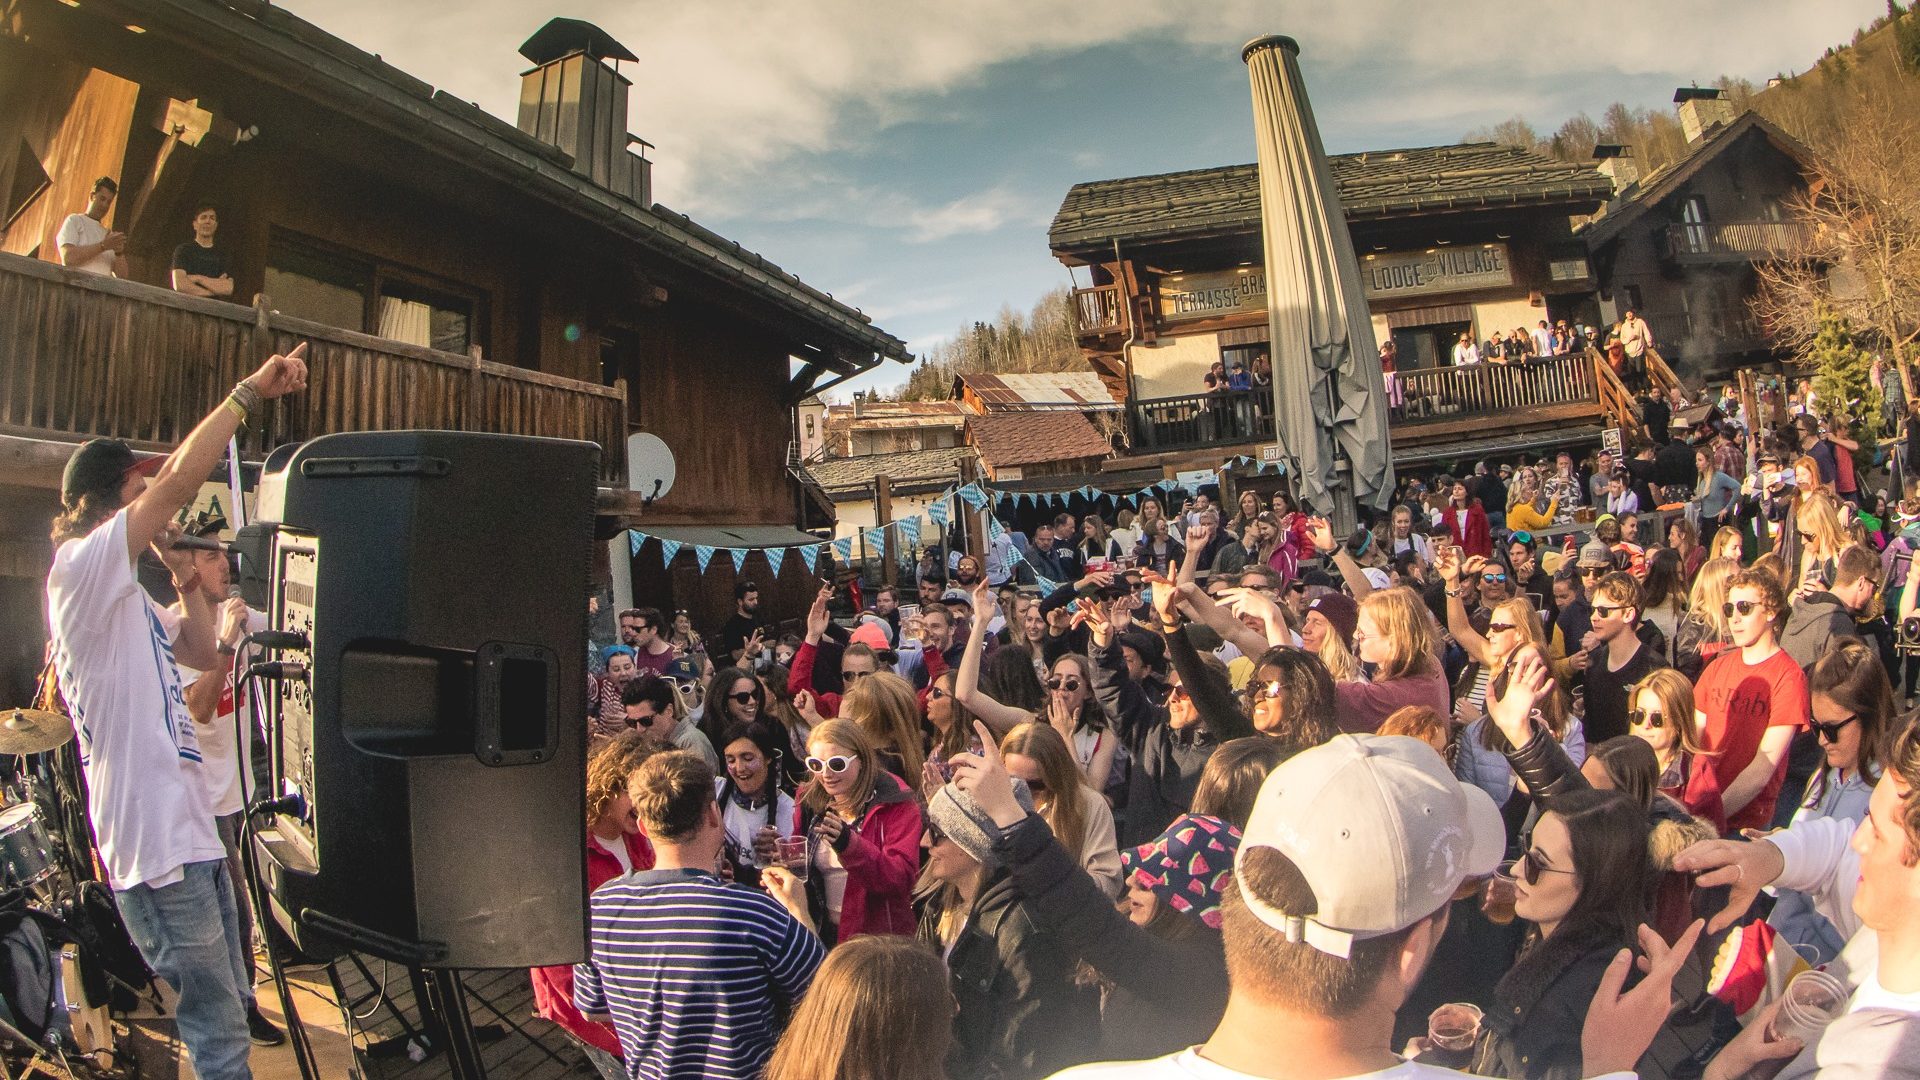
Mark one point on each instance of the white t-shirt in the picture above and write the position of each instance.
(744, 824)
(1872, 995)
(113, 647)
(229, 773)
(1189, 1065)
(78, 230)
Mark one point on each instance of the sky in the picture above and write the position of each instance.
(907, 156)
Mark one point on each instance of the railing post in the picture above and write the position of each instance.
(258, 439)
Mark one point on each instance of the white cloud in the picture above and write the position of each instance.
(728, 89)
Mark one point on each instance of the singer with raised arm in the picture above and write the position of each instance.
(118, 654)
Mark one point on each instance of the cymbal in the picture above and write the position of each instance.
(33, 731)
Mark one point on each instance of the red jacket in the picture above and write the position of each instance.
(553, 986)
(1700, 794)
(800, 677)
(882, 858)
(1470, 530)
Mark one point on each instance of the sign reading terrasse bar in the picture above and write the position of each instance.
(1441, 270)
(1404, 273)
(1220, 292)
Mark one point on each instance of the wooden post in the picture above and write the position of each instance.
(975, 533)
(882, 514)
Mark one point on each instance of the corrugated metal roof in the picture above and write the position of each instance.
(1074, 391)
(1378, 183)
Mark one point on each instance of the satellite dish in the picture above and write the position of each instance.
(649, 466)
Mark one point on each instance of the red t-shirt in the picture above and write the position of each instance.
(1741, 701)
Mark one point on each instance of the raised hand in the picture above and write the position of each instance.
(1320, 531)
(281, 375)
(1164, 595)
(817, 617)
(984, 604)
(1619, 1027)
(1447, 561)
(1745, 868)
(1198, 536)
(1474, 565)
(179, 562)
(1528, 683)
(984, 776)
(808, 708)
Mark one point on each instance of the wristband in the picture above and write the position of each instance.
(247, 396)
(239, 411)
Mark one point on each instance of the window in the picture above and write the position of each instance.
(1693, 214)
(309, 280)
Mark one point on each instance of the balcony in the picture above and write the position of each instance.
(1709, 330)
(1157, 425)
(1734, 241)
(1097, 311)
(83, 356)
(1486, 391)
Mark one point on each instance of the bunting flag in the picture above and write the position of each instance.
(876, 538)
(668, 549)
(739, 559)
(995, 530)
(843, 549)
(940, 512)
(637, 540)
(815, 553)
(910, 531)
(775, 556)
(975, 497)
(704, 554)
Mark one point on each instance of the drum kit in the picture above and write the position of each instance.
(41, 872)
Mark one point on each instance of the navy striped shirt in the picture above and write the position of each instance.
(693, 971)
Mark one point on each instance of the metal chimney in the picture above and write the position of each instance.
(575, 100)
(1329, 395)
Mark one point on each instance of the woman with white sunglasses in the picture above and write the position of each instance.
(863, 828)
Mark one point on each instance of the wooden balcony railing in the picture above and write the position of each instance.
(1720, 240)
(1719, 329)
(1096, 311)
(1195, 420)
(86, 355)
(1432, 395)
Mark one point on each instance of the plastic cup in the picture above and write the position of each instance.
(1500, 896)
(1813, 1000)
(793, 854)
(1454, 1027)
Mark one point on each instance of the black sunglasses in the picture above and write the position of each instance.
(1069, 684)
(1743, 607)
(1592, 571)
(1830, 732)
(1038, 787)
(1646, 718)
(850, 676)
(742, 697)
(1528, 869)
(935, 694)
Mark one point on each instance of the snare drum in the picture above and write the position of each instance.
(26, 856)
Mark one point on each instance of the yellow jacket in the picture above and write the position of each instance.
(1524, 516)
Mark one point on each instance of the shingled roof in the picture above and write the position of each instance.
(909, 472)
(1378, 183)
(1655, 187)
(1030, 438)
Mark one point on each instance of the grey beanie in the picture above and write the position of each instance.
(961, 820)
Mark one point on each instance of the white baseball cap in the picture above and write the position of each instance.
(1380, 829)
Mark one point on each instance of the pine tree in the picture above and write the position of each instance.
(1841, 374)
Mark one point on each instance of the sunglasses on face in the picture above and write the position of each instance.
(1494, 579)
(1739, 607)
(936, 694)
(1267, 692)
(1646, 718)
(1038, 787)
(1499, 627)
(742, 698)
(1830, 732)
(934, 835)
(1296, 586)
(850, 676)
(836, 764)
(1592, 571)
(1528, 869)
(1069, 683)
(644, 721)
(1608, 611)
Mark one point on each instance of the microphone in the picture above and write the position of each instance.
(197, 543)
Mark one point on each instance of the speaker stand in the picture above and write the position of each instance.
(447, 995)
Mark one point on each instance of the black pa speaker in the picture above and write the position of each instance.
(431, 763)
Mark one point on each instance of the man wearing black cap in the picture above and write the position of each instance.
(116, 654)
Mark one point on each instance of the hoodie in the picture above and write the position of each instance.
(1812, 624)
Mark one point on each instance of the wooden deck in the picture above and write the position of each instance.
(529, 1049)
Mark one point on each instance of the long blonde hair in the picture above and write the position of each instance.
(1340, 661)
(1676, 706)
(1408, 627)
(1710, 592)
(1066, 799)
(879, 1008)
(1820, 517)
(883, 704)
(850, 736)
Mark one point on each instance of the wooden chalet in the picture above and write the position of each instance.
(451, 270)
(1469, 238)
(1679, 244)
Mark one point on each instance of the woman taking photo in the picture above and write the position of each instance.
(1394, 633)
(1018, 1012)
(1078, 815)
(753, 805)
(877, 1007)
(615, 846)
(863, 826)
(1071, 708)
(1531, 510)
(1852, 710)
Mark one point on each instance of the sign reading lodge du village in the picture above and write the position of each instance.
(1385, 277)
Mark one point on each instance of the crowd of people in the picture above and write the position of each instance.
(1237, 796)
(1519, 780)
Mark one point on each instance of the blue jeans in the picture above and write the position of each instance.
(190, 935)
